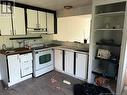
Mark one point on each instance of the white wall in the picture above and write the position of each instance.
(74, 28)
(75, 11)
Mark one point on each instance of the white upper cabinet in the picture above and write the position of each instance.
(32, 19)
(36, 21)
(19, 21)
(42, 19)
(13, 24)
(6, 24)
(50, 22)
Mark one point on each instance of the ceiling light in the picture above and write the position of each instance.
(68, 7)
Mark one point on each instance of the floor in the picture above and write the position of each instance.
(126, 78)
(48, 84)
(124, 91)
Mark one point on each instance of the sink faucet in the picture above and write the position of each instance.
(24, 43)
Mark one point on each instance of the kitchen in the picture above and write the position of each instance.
(40, 43)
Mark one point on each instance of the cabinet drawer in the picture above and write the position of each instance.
(26, 68)
(25, 64)
(26, 71)
(26, 57)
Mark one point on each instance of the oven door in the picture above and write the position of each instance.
(43, 58)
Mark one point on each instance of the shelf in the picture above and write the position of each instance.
(111, 13)
(108, 60)
(106, 44)
(102, 72)
(109, 29)
(19, 38)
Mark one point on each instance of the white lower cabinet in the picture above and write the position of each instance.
(58, 59)
(69, 62)
(81, 65)
(16, 68)
(26, 64)
(13, 69)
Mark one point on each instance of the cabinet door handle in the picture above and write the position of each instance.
(26, 61)
(18, 58)
(76, 55)
(14, 32)
(11, 32)
(27, 68)
(37, 26)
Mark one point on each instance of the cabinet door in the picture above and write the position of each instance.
(50, 23)
(32, 19)
(6, 24)
(14, 68)
(19, 21)
(58, 59)
(42, 19)
(26, 64)
(81, 65)
(69, 62)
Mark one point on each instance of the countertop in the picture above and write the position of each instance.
(26, 50)
(15, 51)
(72, 49)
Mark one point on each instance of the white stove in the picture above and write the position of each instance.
(43, 60)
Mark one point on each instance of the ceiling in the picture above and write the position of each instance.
(55, 4)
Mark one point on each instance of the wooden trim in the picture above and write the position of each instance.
(25, 6)
(7, 69)
(63, 60)
(46, 23)
(25, 38)
(25, 13)
(12, 24)
(55, 23)
(29, 6)
(74, 63)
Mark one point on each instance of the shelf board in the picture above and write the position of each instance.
(109, 60)
(101, 72)
(19, 38)
(106, 44)
(105, 29)
(111, 13)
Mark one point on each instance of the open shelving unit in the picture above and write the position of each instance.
(107, 25)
